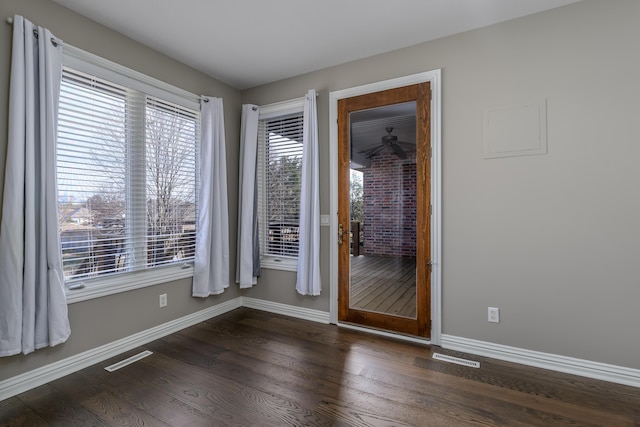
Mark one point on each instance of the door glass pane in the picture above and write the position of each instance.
(383, 210)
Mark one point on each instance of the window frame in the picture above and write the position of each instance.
(273, 111)
(96, 287)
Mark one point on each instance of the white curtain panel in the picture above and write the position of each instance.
(308, 279)
(33, 306)
(211, 265)
(248, 264)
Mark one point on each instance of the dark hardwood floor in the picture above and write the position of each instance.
(251, 368)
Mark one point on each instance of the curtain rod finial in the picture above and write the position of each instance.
(9, 20)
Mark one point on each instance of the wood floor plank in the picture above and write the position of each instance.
(14, 412)
(250, 400)
(251, 368)
(462, 396)
(56, 409)
(107, 406)
(351, 381)
(132, 389)
(383, 284)
(293, 372)
(393, 356)
(546, 384)
(263, 378)
(202, 390)
(116, 411)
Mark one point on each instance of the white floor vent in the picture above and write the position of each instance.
(456, 360)
(128, 361)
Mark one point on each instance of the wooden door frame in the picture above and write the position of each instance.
(420, 93)
(433, 77)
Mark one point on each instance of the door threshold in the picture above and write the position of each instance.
(384, 333)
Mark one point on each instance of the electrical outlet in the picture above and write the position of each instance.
(494, 315)
(163, 300)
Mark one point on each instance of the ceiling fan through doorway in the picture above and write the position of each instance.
(391, 144)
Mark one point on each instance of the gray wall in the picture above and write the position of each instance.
(553, 240)
(280, 286)
(103, 320)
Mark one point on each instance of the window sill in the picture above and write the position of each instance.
(101, 287)
(279, 263)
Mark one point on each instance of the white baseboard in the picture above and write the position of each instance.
(287, 310)
(37, 377)
(554, 362)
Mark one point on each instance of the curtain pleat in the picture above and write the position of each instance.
(308, 278)
(33, 307)
(211, 264)
(248, 264)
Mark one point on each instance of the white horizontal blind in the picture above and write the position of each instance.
(126, 178)
(171, 181)
(280, 165)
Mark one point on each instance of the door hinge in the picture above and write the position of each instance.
(430, 210)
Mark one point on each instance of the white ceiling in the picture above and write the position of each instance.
(245, 43)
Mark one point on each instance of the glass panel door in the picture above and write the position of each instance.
(383, 210)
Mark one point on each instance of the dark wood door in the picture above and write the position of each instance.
(366, 276)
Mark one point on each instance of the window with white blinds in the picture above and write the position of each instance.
(280, 166)
(126, 170)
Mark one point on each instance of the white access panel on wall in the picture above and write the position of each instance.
(518, 129)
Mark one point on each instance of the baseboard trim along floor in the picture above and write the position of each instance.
(37, 377)
(554, 362)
